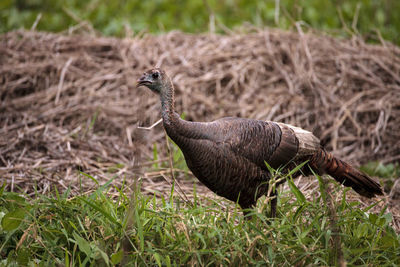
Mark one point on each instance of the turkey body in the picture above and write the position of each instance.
(225, 156)
(229, 155)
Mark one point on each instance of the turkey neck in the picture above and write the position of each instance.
(179, 130)
(167, 104)
(172, 122)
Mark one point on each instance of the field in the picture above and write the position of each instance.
(82, 184)
(99, 190)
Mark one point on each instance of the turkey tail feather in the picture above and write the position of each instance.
(345, 174)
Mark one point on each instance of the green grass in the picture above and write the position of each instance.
(344, 18)
(97, 229)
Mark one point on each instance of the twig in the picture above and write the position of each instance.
(150, 127)
(38, 17)
(212, 17)
(276, 13)
(61, 82)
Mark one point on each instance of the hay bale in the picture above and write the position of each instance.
(69, 102)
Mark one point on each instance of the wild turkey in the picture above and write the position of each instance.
(228, 155)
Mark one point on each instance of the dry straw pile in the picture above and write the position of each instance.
(69, 102)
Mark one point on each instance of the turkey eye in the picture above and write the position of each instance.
(155, 75)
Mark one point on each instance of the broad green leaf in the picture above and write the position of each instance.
(372, 218)
(104, 256)
(15, 198)
(84, 245)
(13, 219)
(117, 257)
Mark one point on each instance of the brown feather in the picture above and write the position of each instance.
(287, 149)
(345, 174)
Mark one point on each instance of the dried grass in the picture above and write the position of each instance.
(69, 102)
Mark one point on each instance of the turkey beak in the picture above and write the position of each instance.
(143, 81)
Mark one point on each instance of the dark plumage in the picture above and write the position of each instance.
(228, 155)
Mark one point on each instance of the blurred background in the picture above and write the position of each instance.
(370, 18)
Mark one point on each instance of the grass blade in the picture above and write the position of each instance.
(102, 211)
(299, 195)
